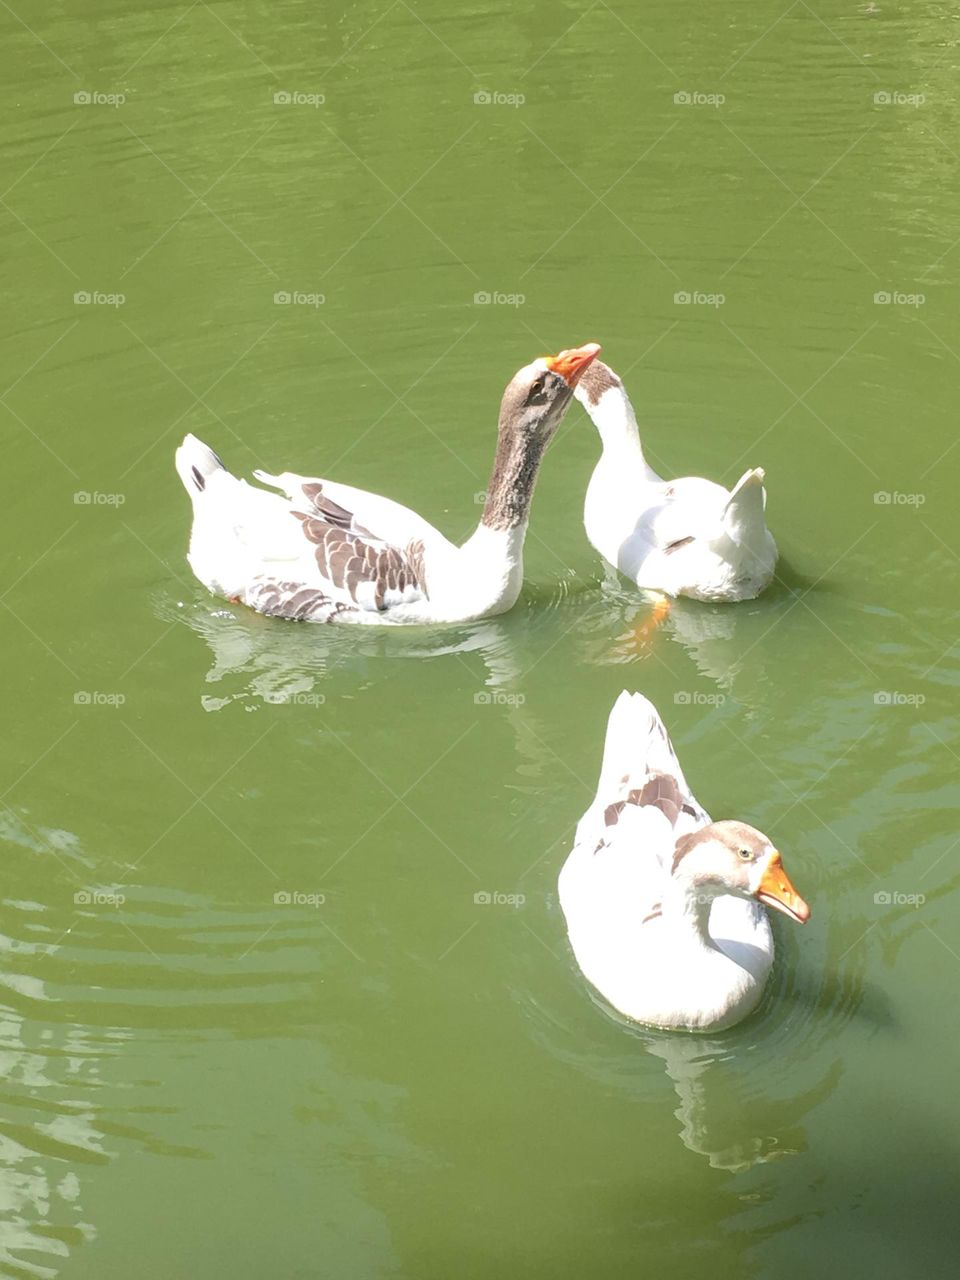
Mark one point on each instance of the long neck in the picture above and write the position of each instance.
(512, 480)
(488, 571)
(616, 422)
(686, 909)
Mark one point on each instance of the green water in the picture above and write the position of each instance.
(200, 1081)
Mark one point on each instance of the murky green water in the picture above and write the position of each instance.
(380, 1077)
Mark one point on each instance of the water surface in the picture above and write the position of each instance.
(253, 1020)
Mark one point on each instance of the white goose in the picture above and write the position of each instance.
(663, 906)
(686, 537)
(330, 553)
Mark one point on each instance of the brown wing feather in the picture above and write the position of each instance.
(350, 556)
(293, 600)
(660, 790)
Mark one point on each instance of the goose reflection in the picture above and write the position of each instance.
(715, 637)
(254, 658)
(742, 1096)
(724, 1114)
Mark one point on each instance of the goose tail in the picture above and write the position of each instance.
(745, 506)
(637, 744)
(196, 464)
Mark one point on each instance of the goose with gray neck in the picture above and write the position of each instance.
(329, 552)
(686, 537)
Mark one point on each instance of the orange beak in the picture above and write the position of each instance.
(777, 891)
(571, 364)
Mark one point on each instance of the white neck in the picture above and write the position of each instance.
(706, 977)
(686, 910)
(485, 574)
(615, 420)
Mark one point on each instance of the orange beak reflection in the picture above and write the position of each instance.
(776, 891)
(571, 364)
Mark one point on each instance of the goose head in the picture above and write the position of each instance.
(735, 858)
(538, 395)
(532, 408)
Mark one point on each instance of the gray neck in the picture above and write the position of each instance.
(512, 479)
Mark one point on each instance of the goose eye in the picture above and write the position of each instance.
(744, 854)
(536, 393)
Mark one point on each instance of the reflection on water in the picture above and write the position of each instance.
(732, 1112)
(712, 636)
(51, 1071)
(277, 661)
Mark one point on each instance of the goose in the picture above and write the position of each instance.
(665, 908)
(687, 537)
(327, 552)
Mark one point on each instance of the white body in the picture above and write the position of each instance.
(244, 536)
(686, 537)
(691, 965)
